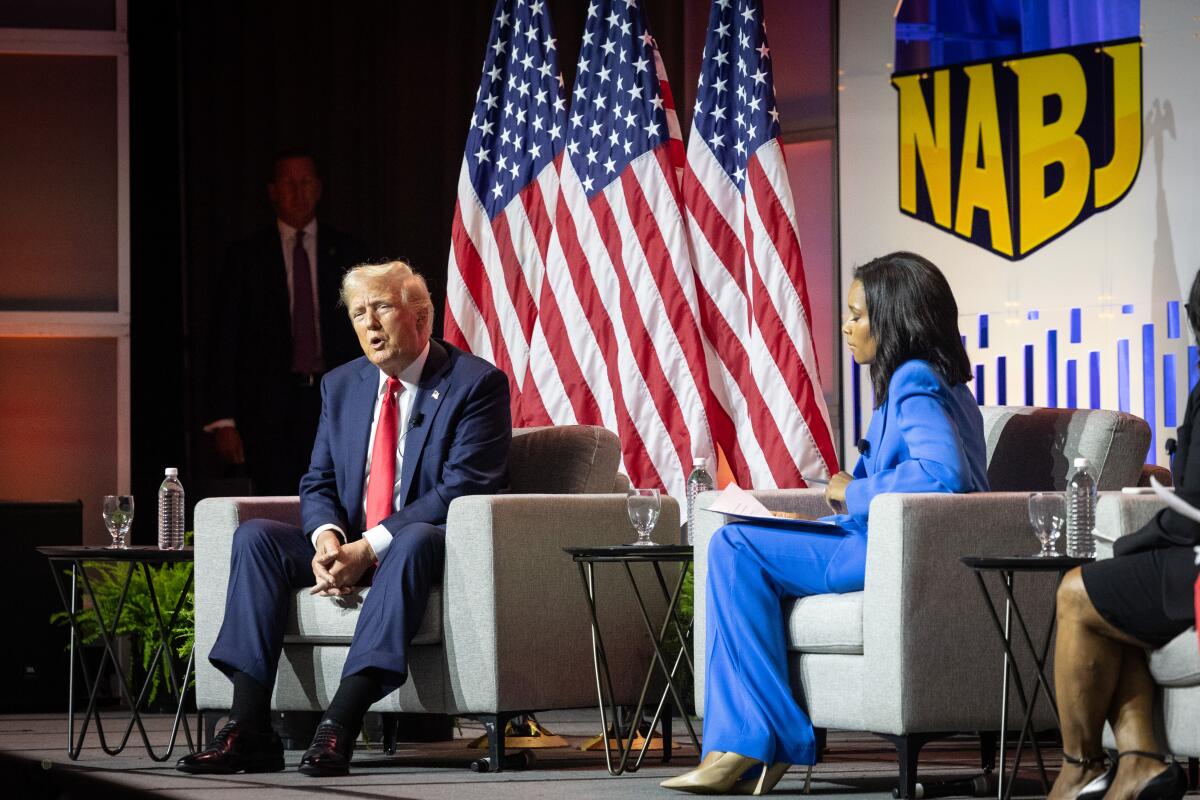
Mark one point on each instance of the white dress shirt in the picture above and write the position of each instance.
(379, 537)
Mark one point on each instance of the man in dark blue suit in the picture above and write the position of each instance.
(403, 431)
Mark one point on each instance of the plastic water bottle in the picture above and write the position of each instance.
(1081, 511)
(699, 481)
(170, 511)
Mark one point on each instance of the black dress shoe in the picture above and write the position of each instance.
(330, 751)
(236, 748)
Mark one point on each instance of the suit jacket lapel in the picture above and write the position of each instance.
(360, 412)
(431, 391)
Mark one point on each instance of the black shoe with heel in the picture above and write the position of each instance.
(1170, 784)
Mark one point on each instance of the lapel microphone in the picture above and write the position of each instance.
(414, 421)
(864, 447)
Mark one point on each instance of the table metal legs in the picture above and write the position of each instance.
(108, 631)
(1041, 683)
(610, 721)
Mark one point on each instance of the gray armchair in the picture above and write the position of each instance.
(913, 657)
(507, 633)
(1175, 667)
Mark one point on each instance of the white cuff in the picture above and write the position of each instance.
(380, 540)
(340, 533)
(224, 422)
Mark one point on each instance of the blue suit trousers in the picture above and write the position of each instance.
(272, 559)
(752, 571)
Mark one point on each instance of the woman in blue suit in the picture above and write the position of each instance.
(926, 435)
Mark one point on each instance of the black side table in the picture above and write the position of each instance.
(1006, 567)
(587, 558)
(145, 557)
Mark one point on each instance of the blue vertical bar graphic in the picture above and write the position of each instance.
(983, 331)
(1094, 378)
(1028, 374)
(856, 398)
(1193, 366)
(1052, 368)
(979, 384)
(1076, 326)
(1148, 398)
(1123, 375)
(1001, 380)
(1172, 319)
(1169, 418)
(1071, 384)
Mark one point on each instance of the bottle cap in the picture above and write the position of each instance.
(1082, 462)
(699, 462)
(171, 472)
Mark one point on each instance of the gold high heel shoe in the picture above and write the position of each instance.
(718, 776)
(765, 782)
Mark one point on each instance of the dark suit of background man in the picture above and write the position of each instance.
(277, 329)
(404, 431)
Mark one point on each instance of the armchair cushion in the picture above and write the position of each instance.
(322, 620)
(1178, 663)
(826, 623)
(563, 459)
(1032, 449)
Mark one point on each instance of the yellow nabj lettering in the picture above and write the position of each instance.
(1042, 144)
(983, 187)
(927, 142)
(1114, 178)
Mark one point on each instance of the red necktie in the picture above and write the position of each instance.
(382, 480)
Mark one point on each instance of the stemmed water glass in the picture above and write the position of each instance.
(1048, 515)
(643, 506)
(118, 518)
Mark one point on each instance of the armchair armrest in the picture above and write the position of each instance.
(517, 629)
(216, 519)
(932, 653)
(1119, 514)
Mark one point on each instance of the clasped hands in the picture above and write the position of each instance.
(338, 567)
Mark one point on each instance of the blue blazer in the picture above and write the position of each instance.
(459, 448)
(926, 437)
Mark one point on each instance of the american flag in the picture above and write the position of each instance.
(507, 192)
(754, 306)
(618, 341)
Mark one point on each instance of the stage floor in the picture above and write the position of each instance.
(33, 762)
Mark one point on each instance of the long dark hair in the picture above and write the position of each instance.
(913, 315)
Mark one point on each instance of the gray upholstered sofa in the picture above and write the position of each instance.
(914, 657)
(1176, 667)
(507, 633)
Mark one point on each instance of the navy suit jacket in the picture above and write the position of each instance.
(459, 447)
(926, 437)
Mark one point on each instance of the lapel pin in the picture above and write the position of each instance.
(436, 394)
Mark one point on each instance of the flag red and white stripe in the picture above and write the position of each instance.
(507, 192)
(618, 341)
(754, 307)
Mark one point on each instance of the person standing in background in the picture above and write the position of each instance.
(276, 330)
